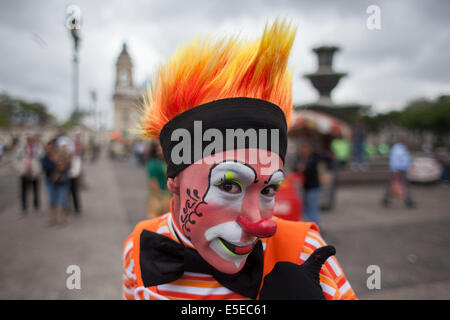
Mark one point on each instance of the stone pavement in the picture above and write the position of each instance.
(35, 256)
(411, 247)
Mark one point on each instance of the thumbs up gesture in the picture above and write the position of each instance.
(290, 281)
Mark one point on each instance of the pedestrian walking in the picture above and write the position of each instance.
(443, 156)
(60, 183)
(138, 149)
(28, 165)
(399, 162)
(1, 150)
(75, 174)
(159, 196)
(358, 145)
(48, 162)
(307, 164)
(341, 148)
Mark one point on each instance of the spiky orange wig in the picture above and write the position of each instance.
(204, 71)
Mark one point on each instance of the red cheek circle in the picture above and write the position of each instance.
(212, 215)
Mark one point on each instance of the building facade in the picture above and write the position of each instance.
(127, 98)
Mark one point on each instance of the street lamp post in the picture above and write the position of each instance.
(76, 39)
(73, 23)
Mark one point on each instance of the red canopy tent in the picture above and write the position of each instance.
(306, 121)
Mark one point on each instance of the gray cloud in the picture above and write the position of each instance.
(407, 58)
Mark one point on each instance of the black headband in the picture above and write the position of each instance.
(238, 114)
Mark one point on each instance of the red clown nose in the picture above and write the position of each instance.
(264, 228)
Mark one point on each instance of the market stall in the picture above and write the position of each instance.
(320, 130)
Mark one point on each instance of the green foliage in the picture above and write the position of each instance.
(420, 115)
(376, 122)
(432, 116)
(15, 111)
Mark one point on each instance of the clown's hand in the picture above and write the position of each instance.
(290, 281)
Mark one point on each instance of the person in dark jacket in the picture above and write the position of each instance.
(48, 162)
(307, 164)
(56, 164)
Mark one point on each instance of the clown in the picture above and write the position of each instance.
(221, 112)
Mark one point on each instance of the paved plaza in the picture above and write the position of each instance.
(410, 246)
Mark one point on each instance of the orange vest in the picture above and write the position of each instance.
(285, 245)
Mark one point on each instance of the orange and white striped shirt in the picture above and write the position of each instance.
(199, 286)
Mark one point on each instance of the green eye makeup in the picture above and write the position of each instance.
(229, 183)
(270, 190)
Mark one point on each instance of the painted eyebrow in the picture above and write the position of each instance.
(279, 170)
(240, 162)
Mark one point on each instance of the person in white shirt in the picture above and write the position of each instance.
(28, 165)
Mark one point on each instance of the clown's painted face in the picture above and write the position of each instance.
(226, 204)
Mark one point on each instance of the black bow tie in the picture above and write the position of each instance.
(163, 260)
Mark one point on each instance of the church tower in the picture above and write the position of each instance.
(126, 97)
(124, 70)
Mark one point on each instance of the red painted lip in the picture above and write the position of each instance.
(264, 228)
(243, 250)
(240, 250)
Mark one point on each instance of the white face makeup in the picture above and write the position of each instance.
(229, 183)
(239, 175)
(221, 206)
(231, 232)
(267, 200)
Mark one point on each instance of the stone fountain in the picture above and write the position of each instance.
(324, 80)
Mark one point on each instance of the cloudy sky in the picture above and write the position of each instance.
(406, 59)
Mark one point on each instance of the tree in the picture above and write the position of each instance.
(419, 115)
(15, 111)
(376, 122)
(431, 116)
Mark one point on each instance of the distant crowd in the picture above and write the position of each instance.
(58, 164)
